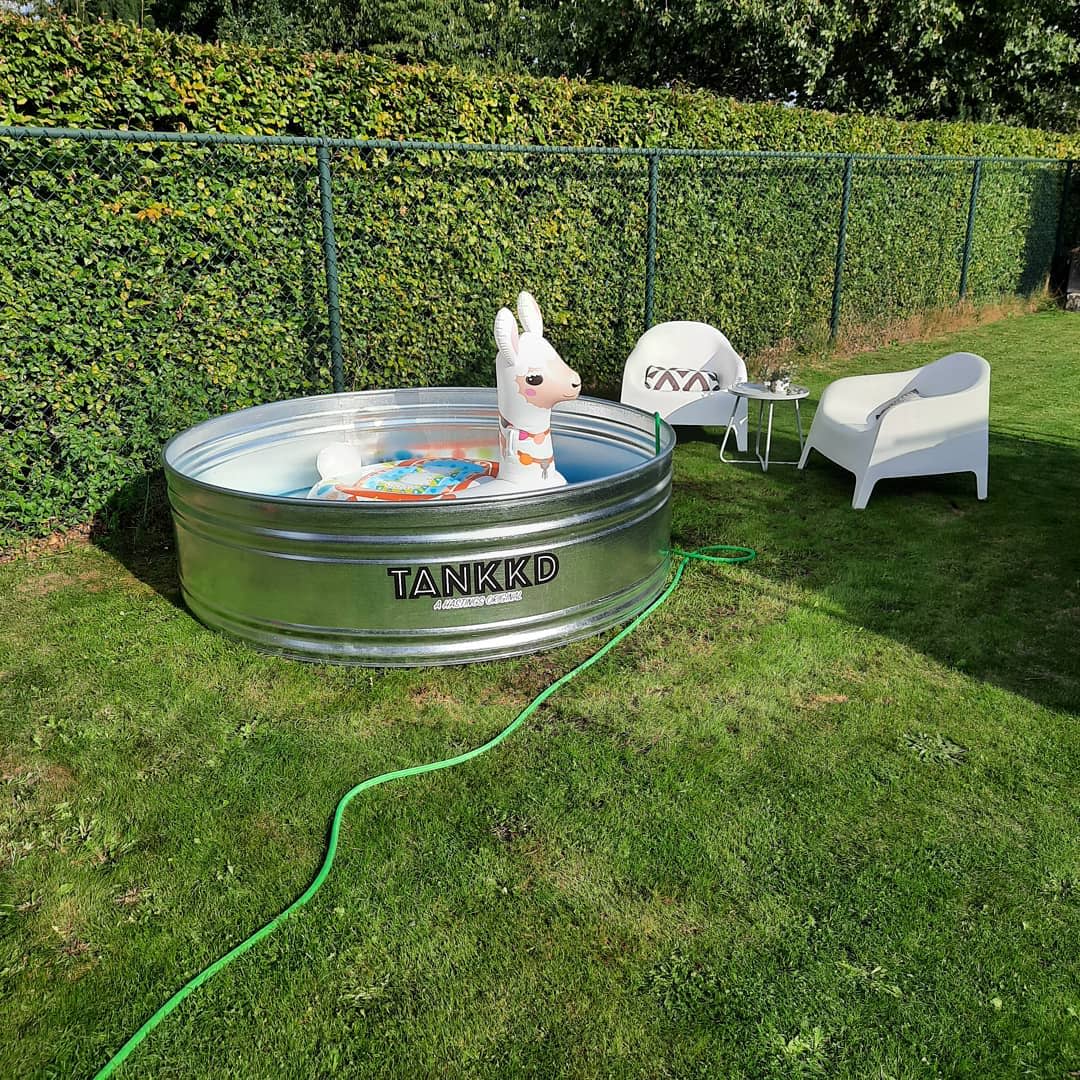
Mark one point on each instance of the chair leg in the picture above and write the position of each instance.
(805, 453)
(864, 486)
(981, 481)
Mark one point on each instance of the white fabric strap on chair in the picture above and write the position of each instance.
(880, 410)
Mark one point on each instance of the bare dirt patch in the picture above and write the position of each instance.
(56, 777)
(130, 897)
(817, 700)
(49, 545)
(517, 689)
(930, 324)
(431, 695)
(55, 580)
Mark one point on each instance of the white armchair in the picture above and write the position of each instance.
(935, 419)
(682, 370)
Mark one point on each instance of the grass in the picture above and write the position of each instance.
(819, 817)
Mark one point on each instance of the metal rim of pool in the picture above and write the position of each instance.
(426, 583)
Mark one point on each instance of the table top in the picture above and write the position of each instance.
(758, 392)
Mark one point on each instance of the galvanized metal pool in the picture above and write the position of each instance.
(418, 583)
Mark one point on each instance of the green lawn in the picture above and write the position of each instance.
(819, 817)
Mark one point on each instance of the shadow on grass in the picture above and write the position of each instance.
(988, 588)
(135, 528)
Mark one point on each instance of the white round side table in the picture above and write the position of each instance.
(758, 392)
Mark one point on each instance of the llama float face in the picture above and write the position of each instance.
(531, 378)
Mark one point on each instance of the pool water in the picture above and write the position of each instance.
(286, 469)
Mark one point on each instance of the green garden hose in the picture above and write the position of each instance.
(734, 555)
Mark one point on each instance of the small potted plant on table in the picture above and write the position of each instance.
(777, 380)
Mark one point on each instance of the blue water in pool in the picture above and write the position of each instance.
(287, 469)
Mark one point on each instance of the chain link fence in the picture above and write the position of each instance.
(149, 280)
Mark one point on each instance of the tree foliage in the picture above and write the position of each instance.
(995, 60)
(1014, 61)
(470, 33)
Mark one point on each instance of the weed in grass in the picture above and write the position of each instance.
(247, 729)
(803, 1054)
(1061, 888)
(364, 997)
(510, 826)
(682, 986)
(935, 748)
(874, 977)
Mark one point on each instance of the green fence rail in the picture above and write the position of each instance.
(152, 278)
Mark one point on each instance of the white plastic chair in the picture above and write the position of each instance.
(681, 370)
(932, 420)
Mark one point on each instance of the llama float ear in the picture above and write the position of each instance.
(529, 314)
(506, 336)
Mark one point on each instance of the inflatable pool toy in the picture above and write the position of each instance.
(531, 378)
(337, 459)
(411, 480)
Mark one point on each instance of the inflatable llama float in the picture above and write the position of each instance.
(531, 379)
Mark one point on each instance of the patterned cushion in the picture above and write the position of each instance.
(684, 379)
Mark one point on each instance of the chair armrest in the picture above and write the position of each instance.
(928, 420)
(728, 367)
(851, 401)
(867, 390)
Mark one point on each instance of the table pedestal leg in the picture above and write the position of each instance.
(730, 426)
(762, 459)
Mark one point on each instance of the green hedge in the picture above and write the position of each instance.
(111, 75)
(143, 287)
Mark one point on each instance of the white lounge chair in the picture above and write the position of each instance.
(681, 370)
(933, 420)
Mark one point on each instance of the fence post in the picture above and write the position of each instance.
(650, 246)
(841, 249)
(969, 238)
(330, 255)
(1063, 209)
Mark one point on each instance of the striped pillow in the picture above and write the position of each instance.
(681, 379)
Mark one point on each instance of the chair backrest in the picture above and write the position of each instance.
(691, 345)
(951, 374)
